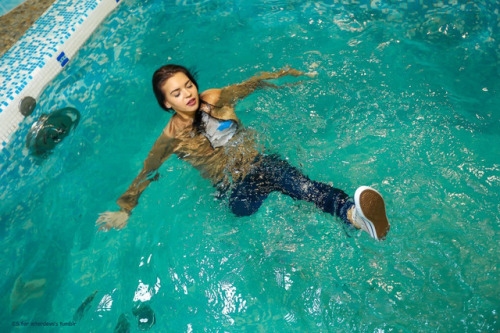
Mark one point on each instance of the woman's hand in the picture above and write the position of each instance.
(117, 220)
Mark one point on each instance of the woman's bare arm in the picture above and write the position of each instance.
(231, 94)
(161, 151)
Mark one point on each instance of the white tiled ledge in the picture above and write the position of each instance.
(44, 50)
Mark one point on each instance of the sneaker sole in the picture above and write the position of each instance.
(372, 210)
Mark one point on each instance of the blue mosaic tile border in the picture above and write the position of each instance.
(44, 50)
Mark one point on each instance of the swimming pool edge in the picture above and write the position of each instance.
(41, 54)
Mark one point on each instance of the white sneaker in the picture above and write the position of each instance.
(369, 213)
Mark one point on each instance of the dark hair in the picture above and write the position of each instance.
(164, 73)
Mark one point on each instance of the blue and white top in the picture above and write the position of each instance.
(217, 131)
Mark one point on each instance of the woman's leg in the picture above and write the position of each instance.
(275, 174)
(248, 195)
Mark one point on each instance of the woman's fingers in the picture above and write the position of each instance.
(312, 74)
(295, 72)
(102, 218)
(104, 228)
(108, 220)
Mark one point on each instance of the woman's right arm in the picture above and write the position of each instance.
(161, 151)
(231, 94)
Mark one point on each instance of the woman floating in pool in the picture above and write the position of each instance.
(205, 132)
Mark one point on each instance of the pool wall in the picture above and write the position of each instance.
(44, 51)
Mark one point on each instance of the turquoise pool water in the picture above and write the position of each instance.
(7, 5)
(406, 100)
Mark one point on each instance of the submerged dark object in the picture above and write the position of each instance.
(123, 325)
(50, 129)
(145, 316)
(84, 307)
(27, 106)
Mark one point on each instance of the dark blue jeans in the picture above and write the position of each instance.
(270, 174)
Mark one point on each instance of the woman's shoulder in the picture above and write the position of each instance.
(220, 109)
(211, 96)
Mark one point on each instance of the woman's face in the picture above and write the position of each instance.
(181, 94)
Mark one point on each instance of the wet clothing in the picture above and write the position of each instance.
(271, 173)
(222, 165)
(217, 131)
(223, 152)
(229, 156)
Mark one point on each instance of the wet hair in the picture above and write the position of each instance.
(160, 76)
(164, 73)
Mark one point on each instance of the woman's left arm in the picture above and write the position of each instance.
(230, 95)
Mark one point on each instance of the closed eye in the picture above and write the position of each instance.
(177, 92)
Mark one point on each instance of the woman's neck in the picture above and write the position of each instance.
(186, 117)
